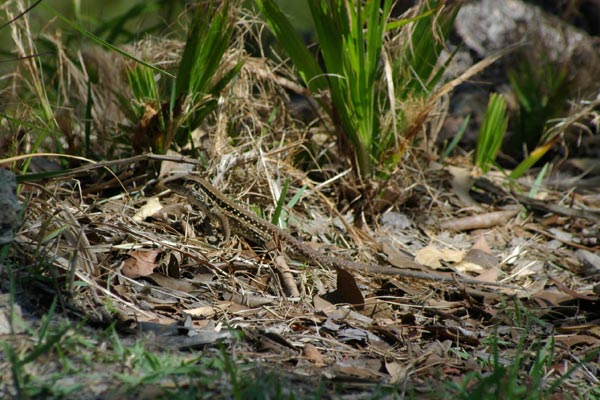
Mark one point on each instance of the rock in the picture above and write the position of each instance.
(490, 25)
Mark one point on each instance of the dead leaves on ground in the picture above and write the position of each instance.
(151, 260)
(140, 263)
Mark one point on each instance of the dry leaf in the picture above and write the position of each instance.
(454, 333)
(576, 340)
(489, 275)
(378, 310)
(322, 305)
(313, 354)
(397, 258)
(482, 244)
(550, 298)
(348, 290)
(366, 368)
(172, 283)
(140, 263)
(337, 313)
(433, 256)
(151, 207)
(462, 181)
(476, 261)
(397, 371)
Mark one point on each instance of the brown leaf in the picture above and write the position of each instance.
(489, 275)
(432, 256)
(397, 371)
(171, 283)
(549, 298)
(397, 258)
(321, 305)
(378, 310)
(482, 244)
(338, 314)
(140, 263)
(405, 287)
(366, 368)
(479, 261)
(151, 207)
(482, 258)
(348, 290)
(576, 340)
(313, 354)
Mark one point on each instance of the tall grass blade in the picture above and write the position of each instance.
(208, 38)
(492, 132)
(459, 134)
(532, 158)
(427, 42)
(309, 70)
(537, 184)
(280, 203)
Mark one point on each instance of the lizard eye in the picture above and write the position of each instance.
(197, 187)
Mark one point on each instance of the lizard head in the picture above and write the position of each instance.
(190, 186)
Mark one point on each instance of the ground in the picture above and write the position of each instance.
(114, 286)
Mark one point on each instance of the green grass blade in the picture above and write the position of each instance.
(190, 54)
(427, 37)
(351, 39)
(280, 203)
(533, 157)
(537, 184)
(220, 85)
(142, 84)
(459, 134)
(390, 26)
(296, 198)
(492, 132)
(309, 70)
(209, 36)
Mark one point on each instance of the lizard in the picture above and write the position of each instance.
(240, 220)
